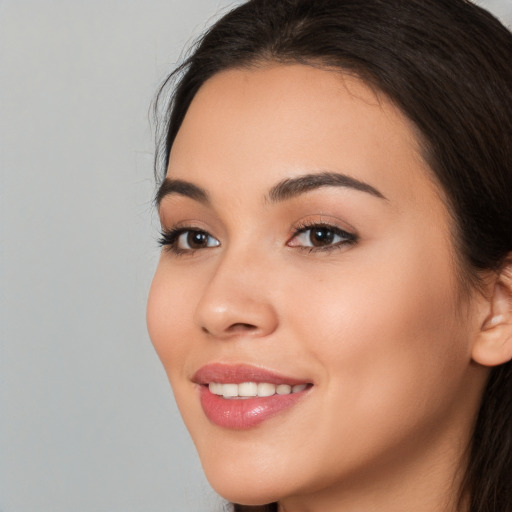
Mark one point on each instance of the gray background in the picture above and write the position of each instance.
(87, 419)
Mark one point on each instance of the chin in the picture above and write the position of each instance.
(244, 485)
(249, 494)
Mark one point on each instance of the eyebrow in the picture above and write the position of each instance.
(285, 189)
(172, 186)
(293, 187)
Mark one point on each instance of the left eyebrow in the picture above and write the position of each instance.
(293, 187)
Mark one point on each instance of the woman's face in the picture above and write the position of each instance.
(308, 264)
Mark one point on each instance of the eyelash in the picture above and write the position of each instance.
(169, 239)
(347, 239)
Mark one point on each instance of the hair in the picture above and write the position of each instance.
(446, 64)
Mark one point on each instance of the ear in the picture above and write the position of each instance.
(493, 345)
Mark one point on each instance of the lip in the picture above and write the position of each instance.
(236, 374)
(241, 414)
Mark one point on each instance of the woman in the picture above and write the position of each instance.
(333, 302)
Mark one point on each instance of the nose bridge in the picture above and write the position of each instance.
(238, 300)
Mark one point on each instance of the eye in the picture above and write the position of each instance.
(321, 237)
(192, 240)
(185, 240)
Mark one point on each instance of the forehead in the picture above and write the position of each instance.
(264, 124)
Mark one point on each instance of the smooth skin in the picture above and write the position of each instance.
(355, 292)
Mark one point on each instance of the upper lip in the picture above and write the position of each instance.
(238, 373)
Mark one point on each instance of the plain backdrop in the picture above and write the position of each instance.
(87, 418)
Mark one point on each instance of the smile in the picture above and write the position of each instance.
(241, 396)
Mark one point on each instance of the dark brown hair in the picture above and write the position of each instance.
(447, 65)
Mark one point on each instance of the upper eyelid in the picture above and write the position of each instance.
(179, 230)
(302, 225)
(183, 225)
(335, 229)
(325, 221)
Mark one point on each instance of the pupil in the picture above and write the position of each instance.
(321, 236)
(197, 239)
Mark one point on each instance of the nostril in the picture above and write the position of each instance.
(242, 327)
(235, 328)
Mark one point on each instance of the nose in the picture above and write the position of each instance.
(237, 301)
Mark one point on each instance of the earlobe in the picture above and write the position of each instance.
(493, 345)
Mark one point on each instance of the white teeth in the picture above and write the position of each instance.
(215, 388)
(229, 390)
(283, 389)
(266, 389)
(247, 389)
(253, 389)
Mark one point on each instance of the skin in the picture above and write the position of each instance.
(379, 326)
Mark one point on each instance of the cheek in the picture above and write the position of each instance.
(389, 352)
(168, 318)
(388, 336)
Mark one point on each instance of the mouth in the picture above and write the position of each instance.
(242, 396)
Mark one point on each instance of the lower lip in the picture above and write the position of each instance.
(245, 413)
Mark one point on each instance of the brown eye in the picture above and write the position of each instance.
(182, 240)
(321, 236)
(193, 240)
(197, 239)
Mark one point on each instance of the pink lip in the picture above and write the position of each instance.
(248, 412)
(235, 374)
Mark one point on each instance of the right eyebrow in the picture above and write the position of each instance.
(172, 186)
